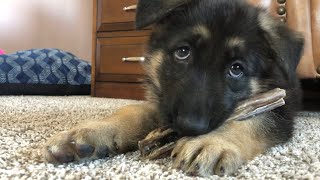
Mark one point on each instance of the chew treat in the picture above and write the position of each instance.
(160, 142)
(258, 104)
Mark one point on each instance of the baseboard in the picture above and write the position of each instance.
(311, 94)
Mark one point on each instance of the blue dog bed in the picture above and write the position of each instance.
(44, 72)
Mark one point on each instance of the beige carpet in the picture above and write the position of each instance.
(26, 123)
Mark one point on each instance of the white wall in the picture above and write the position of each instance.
(64, 24)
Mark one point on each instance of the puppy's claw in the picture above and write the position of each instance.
(222, 171)
(182, 164)
(174, 156)
(193, 170)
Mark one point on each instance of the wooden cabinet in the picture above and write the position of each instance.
(118, 50)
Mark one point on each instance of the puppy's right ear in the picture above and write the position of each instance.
(152, 11)
(287, 43)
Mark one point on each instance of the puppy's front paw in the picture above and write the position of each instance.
(93, 142)
(207, 155)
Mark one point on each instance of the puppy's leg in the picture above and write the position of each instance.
(224, 150)
(98, 139)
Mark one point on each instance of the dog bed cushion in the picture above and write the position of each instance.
(44, 72)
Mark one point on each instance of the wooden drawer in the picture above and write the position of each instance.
(110, 53)
(112, 16)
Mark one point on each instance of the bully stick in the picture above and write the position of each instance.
(160, 142)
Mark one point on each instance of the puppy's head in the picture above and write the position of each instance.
(205, 56)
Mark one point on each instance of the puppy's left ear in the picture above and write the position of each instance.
(287, 43)
(151, 11)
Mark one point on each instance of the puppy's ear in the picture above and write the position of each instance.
(151, 11)
(286, 43)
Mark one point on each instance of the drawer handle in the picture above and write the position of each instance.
(133, 59)
(130, 8)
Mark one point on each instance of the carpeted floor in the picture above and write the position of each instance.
(26, 123)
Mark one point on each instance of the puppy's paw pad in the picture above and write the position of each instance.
(102, 152)
(67, 147)
(84, 150)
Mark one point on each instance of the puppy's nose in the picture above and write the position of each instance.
(191, 125)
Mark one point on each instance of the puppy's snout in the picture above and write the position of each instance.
(191, 125)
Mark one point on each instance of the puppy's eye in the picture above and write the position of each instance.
(182, 53)
(236, 70)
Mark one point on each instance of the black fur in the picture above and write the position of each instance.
(198, 94)
(150, 11)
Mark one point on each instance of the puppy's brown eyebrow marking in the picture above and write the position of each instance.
(255, 86)
(235, 42)
(153, 65)
(202, 30)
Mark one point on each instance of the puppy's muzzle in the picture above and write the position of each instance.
(191, 125)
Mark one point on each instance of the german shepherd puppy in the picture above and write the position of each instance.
(203, 57)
